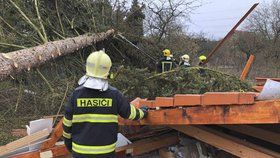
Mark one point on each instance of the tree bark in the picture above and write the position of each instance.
(25, 59)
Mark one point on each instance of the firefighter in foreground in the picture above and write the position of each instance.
(166, 63)
(90, 124)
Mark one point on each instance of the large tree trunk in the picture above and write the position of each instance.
(14, 62)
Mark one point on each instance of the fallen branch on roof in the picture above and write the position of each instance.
(25, 59)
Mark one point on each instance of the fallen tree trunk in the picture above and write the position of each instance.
(25, 59)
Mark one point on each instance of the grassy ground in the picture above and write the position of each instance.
(8, 124)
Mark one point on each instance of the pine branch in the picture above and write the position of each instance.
(20, 34)
(40, 20)
(59, 18)
(12, 45)
(46, 81)
(29, 21)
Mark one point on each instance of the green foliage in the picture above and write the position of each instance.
(61, 19)
(195, 80)
(134, 21)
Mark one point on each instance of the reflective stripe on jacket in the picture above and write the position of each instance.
(90, 124)
(165, 64)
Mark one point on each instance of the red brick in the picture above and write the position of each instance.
(220, 98)
(149, 103)
(164, 101)
(247, 98)
(187, 99)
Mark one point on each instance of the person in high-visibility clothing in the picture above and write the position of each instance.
(90, 123)
(165, 63)
(185, 61)
(202, 59)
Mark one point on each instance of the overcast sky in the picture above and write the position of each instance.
(217, 17)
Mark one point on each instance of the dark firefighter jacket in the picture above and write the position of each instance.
(165, 64)
(90, 124)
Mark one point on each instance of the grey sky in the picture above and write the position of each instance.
(217, 17)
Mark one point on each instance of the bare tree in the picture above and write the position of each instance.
(165, 15)
(266, 22)
(248, 42)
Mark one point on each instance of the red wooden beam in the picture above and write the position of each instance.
(247, 67)
(209, 98)
(261, 80)
(230, 33)
(233, 145)
(258, 88)
(150, 144)
(55, 136)
(261, 112)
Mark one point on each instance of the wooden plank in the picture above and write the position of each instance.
(59, 150)
(136, 148)
(55, 136)
(259, 133)
(25, 141)
(261, 80)
(261, 112)
(247, 67)
(209, 98)
(33, 154)
(243, 142)
(223, 142)
(228, 98)
(258, 88)
(150, 144)
(230, 33)
(187, 99)
(56, 151)
(148, 103)
(164, 102)
(220, 98)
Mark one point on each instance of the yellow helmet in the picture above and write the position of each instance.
(185, 57)
(166, 52)
(202, 58)
(98, 65)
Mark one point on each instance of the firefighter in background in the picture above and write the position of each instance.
(165, 63)
(90, 123)
(185, 61)
(202, 59)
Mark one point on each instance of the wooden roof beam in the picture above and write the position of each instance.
(150, 144)
(259, 133)
(261, 112)
(227, 143)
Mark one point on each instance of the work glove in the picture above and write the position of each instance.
(145, 110)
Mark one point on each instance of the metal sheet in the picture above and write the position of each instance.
(271, 90)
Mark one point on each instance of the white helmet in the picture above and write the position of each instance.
(185, 58)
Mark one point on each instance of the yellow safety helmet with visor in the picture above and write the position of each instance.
(98, 65)
(166, 52)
